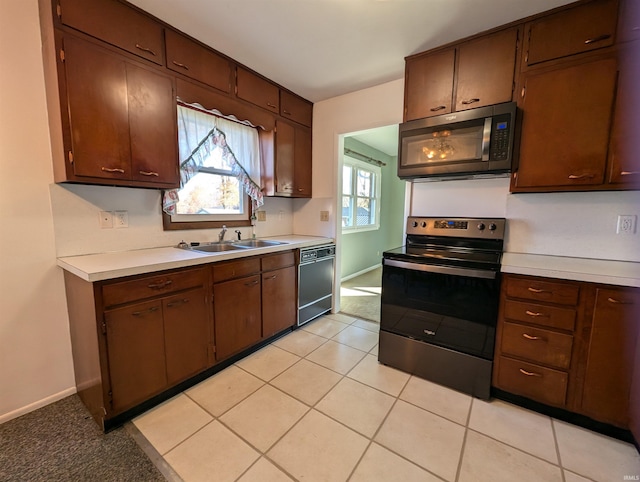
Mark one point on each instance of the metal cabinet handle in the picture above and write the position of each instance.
(300, 189)
(436, 109)
(185, 67)
(580, 176)
(272, 277)
(619, 302)
(529, 374)
(150, 310)
(269, 104)
(145, 49)
(470, 101)
(251, 283)
(149, 173)
(177, 303)
(114, 169)
(536, 290)
(629, 173)
(530, 337)
(536, 313)
(597, 39)
(159, 285)
(285, 111)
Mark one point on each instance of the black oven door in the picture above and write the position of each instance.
(451, 307)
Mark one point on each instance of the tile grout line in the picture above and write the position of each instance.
(557, 447)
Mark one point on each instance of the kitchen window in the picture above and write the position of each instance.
(219, 160)
(360, 196)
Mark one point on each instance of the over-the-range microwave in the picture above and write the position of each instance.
(471, 143)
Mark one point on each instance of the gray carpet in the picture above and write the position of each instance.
(61, 442)
(360, 296)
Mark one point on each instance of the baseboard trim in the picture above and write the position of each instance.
(359, 273)
(36, 405)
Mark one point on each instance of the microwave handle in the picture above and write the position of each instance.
(486, 138)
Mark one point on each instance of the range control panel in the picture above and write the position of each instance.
(486, 228)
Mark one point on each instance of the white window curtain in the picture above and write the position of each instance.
(199, 132)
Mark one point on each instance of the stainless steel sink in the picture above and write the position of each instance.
(215, 247)
(256, 243)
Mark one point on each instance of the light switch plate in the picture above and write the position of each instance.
(324, 215)
(262, 215)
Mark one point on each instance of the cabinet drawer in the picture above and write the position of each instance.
(235, 269)
(117, 24)
(544, 315)
(541, 346)
(147, 287)
(296, 109)
(534, 289)
(279, 260)
(541, 384)
(580, 29)
(195, 61)
(258, 91)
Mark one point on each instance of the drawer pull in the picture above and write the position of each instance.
(185, 67)
(285, 111)
(251, 283)
(160, 285)
(619, 302)
(436, 109)
(272, 277)
(177, 303)
(629, 173)
(530, 374)
(114, 169)
(536, 314)
(597, 39)
(273, 106)
(149, 173)
(537, 290)
(470, 101)
(580, 176)
(530, 337)
(145, 49)
(150, 310)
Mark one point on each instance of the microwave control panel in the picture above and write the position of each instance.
(500, 138)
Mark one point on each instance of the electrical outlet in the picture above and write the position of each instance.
(262, 215)
(106, 219)
(626, 224)
(121, 219)
(324, 215)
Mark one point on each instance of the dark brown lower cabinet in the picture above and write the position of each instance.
(571, 345)
(278, 300)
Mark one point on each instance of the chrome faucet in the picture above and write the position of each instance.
(221, 235)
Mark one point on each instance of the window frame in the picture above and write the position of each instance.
(376, 171)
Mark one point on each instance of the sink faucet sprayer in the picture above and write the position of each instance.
(239, 234)
(221, 235)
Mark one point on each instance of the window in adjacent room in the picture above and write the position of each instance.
(360, 196)
(219, 172)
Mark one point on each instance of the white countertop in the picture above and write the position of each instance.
(102, 266)
(622, 273)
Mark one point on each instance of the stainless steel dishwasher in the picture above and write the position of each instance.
(315, 282)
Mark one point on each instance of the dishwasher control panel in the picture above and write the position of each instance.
(309, 255)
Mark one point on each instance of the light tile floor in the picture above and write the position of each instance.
(316, 405)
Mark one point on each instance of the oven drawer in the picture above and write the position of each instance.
(544, 315)
(541, 346)
(546, 291)
(532, 381)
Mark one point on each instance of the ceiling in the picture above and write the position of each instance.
(324, 48)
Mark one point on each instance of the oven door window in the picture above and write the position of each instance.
(451, 311)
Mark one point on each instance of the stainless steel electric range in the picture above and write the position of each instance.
(440, 296)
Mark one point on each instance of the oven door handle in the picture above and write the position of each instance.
(450, 270)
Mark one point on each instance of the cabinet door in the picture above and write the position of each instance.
(612, 346)
(302, 163)
(135, 348)
(429, 85)
(117, 24)
(485, 70)
(278, 300)
(152, 127)
(236, 306)
(296, 108)
(579, 29)
(258, 91)
(98, 113)
(186, 334)
(565, 126)
(624, 162)
(285, 153)
(195, 61)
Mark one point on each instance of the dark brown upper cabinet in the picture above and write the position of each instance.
(197, 62)
(258, 91)
(117, 24)
(296, 108)
(475, 73)
(586, 27)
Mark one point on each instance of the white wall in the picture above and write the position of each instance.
(35, 353)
